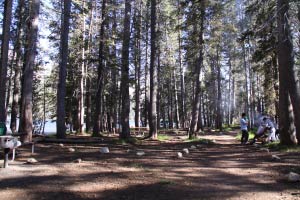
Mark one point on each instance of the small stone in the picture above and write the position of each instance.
(199, 145)
(71, 149)
(128, 150)
(61, 145)
(193, 147)
(214, 141)
(104, 150)
(265, 149)
(179, 155)
(32, 161)
(185, 150)
(293, 177)
(140, 153)
(78, 160)
(276, 158)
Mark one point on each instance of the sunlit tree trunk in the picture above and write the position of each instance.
(288, 92)
(30, 54)
(99, 88)
(153, 75)
(61, 90)
(4, 56)
(196, 78)
(125, 133)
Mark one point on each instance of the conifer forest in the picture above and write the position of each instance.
(103, 66)
(153, 74)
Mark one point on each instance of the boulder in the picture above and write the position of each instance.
(78, 160)
(265, 149)
(293, 177)
(185, 150)
(31, 161)
(140, 153)
(71, 149)
(104, 150)
(193, 147)
(179, 155)
(275, 158)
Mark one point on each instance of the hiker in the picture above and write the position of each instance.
(261, 130)
(272, 131)
(244, 129)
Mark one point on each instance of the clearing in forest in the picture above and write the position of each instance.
(150, 170)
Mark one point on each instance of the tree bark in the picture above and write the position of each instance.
(153, 75)
(4, 56)
(17, 68)
(219, 93)
(125, 133)
(137, 59)
(98, 99)
(196, 78)
(61, 90)
(181, 71)
(288, 93)
(30, 54)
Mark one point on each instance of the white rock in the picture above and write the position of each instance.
(78, 160)
(104, 150)
(193, 147)
(71, 149)
(293, 177)
(274, 157)
(32, 160)
(199, 145)
(265, 149)
(61, 145)
(185, 150)
(214, 141)
(140, 153)
(179, 155)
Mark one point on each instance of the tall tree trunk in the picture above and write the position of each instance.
(30, 53)
(4, 56)
(81, 108)
(137, 61)
(153, 75)
(219, 94)
(196, 78)
(158, 101)
(147, 75)
(176, 99)
(229, 92)
(98, 99)
(88, 79)
(199, 122)
(18, 64)
(181, 71)
(246, 79)
(115, 73)
(125, 133)
(287, 85)
(61, 90)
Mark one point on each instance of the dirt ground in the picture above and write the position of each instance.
(223, 170)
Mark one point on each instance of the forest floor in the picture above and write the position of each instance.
(223, 170)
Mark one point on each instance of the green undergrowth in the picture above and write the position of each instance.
(162, 137)
(276, 146)
(166, 182)
(199, 141)
(128, 141)
(251, 135)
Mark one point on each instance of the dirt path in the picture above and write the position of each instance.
(224, 170)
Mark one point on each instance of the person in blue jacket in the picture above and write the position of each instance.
(244, 129)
